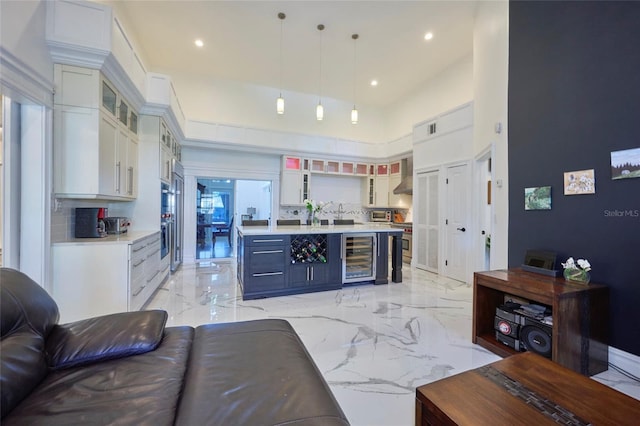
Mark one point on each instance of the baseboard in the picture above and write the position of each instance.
(628, 362)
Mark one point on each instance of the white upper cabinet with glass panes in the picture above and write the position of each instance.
(294, 180)
(95, 137)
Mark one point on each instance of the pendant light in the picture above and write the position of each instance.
(354, 111)
(320, 108)
(280, 100)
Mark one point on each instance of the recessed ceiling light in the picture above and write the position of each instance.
(199, 42)
(428, 36)
(374, 83)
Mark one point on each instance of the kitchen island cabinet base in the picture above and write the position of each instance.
(268, 265)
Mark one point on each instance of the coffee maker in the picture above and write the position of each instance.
(90, 222)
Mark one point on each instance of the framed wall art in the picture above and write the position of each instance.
(537, 198)
(625, 164)
(580, 182)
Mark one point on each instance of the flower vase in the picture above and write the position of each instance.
(577, 275)
(311, 218)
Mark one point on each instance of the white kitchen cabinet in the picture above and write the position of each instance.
(294, 187)
(362, 169)
(295, 180)
(165, 166)
(105, 276)
(318, 166)
(95, 138)
(333, 167)
(381, 192)
(377, 186)
(347, 168)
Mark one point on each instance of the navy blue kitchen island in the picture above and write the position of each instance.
(282, 260)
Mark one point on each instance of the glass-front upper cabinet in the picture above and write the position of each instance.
(133, 122)
(123, 112)
(292, 163)
(108, 97)
(362, 169)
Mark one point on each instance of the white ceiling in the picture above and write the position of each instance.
(242, 43)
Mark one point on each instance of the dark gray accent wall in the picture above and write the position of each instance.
(574, 96)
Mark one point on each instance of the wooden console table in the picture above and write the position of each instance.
(580, 315)
(524, 389)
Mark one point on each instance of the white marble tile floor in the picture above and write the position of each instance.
(373, 344)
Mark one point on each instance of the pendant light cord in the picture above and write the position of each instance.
(355, 38)
(281, 16)
(320, 28)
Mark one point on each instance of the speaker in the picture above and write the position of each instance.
(536, 337)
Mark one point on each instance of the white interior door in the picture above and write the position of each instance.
(425, 224)
(456, 222)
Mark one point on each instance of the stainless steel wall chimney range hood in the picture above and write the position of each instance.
(406, 184)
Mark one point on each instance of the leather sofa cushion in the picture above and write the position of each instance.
(254, 373)
(136, 390)
(105, 337)
(27, 316)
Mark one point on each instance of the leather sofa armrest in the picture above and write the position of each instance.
(104, 338)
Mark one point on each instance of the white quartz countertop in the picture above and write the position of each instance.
(126, 238)
(317, 229)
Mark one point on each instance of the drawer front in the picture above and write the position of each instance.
(264, 281)
(265, 259)
(266, 240)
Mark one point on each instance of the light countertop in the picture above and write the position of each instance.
(126, 238)
(317, 229)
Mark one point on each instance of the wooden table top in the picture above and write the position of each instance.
(526, 389)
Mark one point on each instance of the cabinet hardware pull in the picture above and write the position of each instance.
(118, 177)
(311, 273)
(130, 190)
(267, 274)
(139, 263)
(153, 277)
(268, 241)
(267, 251)
(139, 290)
(153, 253)
(135, 250)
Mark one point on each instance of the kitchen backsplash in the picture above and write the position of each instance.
(63, 217)
(333, 211)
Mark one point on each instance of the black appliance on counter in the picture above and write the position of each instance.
(90, 222)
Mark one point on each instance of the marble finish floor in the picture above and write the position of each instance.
(373, 344)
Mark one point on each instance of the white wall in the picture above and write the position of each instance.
(230, 102)
(256, 194)
(22, 34)
(451, 88)
(490, 84)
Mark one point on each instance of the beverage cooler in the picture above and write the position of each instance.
(358, 257)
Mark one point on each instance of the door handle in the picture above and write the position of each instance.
(461, 229)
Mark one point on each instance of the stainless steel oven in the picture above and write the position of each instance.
(407, 240)
(407, 245)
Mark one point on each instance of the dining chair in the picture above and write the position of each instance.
(260, 222)
(280, 222)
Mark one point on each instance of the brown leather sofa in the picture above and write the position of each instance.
(128, 369)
